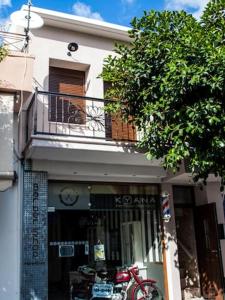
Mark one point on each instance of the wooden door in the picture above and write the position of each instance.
(209, 256)
(116, 128)
(64, 108)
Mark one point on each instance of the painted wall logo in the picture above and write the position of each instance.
(68, 196)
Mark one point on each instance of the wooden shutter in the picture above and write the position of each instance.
(62, 108)
(118, 130)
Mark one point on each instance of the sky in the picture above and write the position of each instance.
(114, 11)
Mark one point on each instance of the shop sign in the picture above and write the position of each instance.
(34, 244)
(68, 196)
(35, 218)
(107, 201)
(36, 215)
(166, 215)
(99, 252)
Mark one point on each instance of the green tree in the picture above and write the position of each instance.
(3, 52)
(171, 80)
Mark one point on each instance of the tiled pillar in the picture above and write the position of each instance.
(34, 243)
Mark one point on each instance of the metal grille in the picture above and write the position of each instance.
(68, 115)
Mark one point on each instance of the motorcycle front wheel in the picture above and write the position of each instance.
(151, 292)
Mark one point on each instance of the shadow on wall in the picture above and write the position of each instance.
(171, 238)
(191, 272)
(188, 268)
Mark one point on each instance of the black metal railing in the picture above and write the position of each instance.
(68, 115)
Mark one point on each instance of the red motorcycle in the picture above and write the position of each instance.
(127, 285)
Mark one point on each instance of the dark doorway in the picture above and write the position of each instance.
(209, 256)
(186, 238)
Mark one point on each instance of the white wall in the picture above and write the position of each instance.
(16, 72)
(214, 195)
(173, 272)
(49, 47)
(50, 43)
(10, 202)
(6, 132)
(10, 233)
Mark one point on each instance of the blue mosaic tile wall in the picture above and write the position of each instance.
(35, 235)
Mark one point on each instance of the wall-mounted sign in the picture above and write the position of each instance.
(66, 250)
(166, 215)
(51, 209)
(109, 201)
(34, 246)
(99, 252)
(68, 196)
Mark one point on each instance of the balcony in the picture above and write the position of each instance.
(76, 117)
(74, 137)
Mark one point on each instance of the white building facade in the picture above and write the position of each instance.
(72, 179)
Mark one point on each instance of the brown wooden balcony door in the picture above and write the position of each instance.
(65, 109)
(119, 130)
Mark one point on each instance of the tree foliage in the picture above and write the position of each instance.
(3, 53)
(171, 80)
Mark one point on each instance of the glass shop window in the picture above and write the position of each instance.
(103, 227)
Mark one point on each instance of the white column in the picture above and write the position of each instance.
(10, 237)
(172, 264)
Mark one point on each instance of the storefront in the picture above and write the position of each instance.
(73, 229)
(101, 226)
